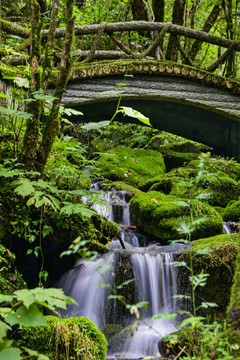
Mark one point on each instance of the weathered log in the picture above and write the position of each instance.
(13, 28)
(79, 56)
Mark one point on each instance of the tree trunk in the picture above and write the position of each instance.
(158, 10)
(211, 20)
(30, 141)
(177, 18)
(52, 123)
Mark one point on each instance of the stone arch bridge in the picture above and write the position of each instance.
(177, 98)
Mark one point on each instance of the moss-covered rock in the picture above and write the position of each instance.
(158, 215)
(218, 263)
(73, 338)
(130, 165)
(176, 155)
(213, 165)
(120, 185)
(232, 212)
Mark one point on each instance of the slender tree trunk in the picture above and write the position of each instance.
(211, 20)
(30, 141)
(52, 122)
(228, 7)
(177, 18)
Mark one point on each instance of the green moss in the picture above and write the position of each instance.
(187, 337)
(214, 165)
(73, 338)
(232, 212)
(234, 305)
(159, 215)
(176, 155)
(120, 185)
(213, 241)
(97, 246)
(130, 165)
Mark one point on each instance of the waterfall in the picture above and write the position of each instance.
(155, 282)
(82, 284)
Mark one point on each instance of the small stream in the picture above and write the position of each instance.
(155, 283)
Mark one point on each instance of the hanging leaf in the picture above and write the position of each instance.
(69, 111)
(95, 126)
(134, 114)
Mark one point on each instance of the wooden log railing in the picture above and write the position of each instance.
(157, 28)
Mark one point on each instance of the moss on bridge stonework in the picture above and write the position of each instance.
(103, 68)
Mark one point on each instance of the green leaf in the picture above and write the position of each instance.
(182, 297)
(208, 304)
(203, 251)
(69, 112)
(179, 263)
(72, 208)
(5, 96)
(21, 82)
(6, 298)
(134, 114)
(95, 126)
(164, 316)
(11, 354)
(25, 296)
(24, 187)
(3, 329)
(125, 283)
(9, 173)
(26, 317)
(5, 345)
(36, 354)
(193, 320)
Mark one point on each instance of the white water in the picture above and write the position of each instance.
(155, 282)
(82, 284)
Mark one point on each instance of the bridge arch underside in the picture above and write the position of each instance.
(208, 115)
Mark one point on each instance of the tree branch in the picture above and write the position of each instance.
(95, 43)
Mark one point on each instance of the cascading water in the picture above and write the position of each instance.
(155, 283)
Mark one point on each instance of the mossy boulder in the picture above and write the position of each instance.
(232, 211)
(218, 263)
(73, 338)
(176, 155)
(213, 165)
(166, 182)
(158, 215)
(120, 186)
(130, 165)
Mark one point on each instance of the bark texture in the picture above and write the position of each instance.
(52, 123)
(211, 20)
(177, 18)
(30, 141)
